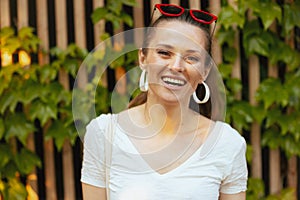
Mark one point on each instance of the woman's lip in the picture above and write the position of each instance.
(175, 79)
(173, 83)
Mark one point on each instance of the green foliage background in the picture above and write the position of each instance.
(31, 97)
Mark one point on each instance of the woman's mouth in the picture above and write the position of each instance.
(172, 81)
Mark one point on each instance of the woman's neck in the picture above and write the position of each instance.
(168, 117)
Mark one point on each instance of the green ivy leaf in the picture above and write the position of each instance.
(114, 19)
(47, 73)
(127, 19)
(240, 114)
(225, 70)
(258, 45)
(280, 51)
(226, 36)
(11, 45)
(115, 7)
(228, 16)
(290, 146)
(98, 14)
(2, 128)
(25, 32)
(259, 113)
(129, 2)
(271, 138)
(268, 12)
(10, 169)
(26, 161)
(58, 132)
(285, 194)
(272, 117)
(234, 85)
(5, 155)
(55, 93)
(9, 100)
(17, 126)
(272, 91)
(16, 190)
(71, 66)
(58, 52)
(30, 91)
(255, 189)
(42, 111)
(5, 33)
(292, 86)
(291, 16)
(255, 40)
(230, 54)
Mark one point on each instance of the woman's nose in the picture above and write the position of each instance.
(177, 64)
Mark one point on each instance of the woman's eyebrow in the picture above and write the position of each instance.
(193, 51)
(168, 46)
(165, 46)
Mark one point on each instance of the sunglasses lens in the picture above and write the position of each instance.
(173, 10)
(203, 16)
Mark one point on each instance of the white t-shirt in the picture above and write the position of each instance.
(219, 165)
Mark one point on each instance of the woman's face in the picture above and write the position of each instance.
(175, 61)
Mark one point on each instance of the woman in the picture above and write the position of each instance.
(163, 149)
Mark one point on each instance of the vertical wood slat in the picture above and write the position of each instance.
(61, 32)
(292, 171)
(4, 13)
(99, 29)
(138, 19)
(138, 16)
(177, 2)
(292, 175)
(80, 36)
(42, 30)
(215, 8)
(22, 13)
(255, 134)
(31, 182)
(118, 45)
(43, 34)
(197, 4)
(255, 137)
(236, 69)
(274, 154)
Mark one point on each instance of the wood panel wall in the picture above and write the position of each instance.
(52, 17)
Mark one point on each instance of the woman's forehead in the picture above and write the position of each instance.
(178, 35)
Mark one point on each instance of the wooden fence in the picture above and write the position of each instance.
(61, 22)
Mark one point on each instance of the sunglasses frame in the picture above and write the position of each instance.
(191, 11)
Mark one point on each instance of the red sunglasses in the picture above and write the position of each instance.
(175, 11)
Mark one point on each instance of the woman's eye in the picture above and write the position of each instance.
(192, 59)
(164, 52)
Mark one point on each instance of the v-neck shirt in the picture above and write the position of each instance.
(218, 165)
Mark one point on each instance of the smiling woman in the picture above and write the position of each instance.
(162, 148)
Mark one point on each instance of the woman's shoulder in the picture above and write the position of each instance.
(99, 122)
(229, 137)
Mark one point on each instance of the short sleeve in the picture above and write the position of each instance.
(236, 179)
(93, 166)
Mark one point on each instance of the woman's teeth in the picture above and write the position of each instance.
(173, 81)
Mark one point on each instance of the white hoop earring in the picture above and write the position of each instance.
(206, 97)
(143, 82)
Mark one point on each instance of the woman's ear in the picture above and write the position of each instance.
(142, 58)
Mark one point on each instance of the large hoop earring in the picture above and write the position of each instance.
(206, 97)
(143, 82)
